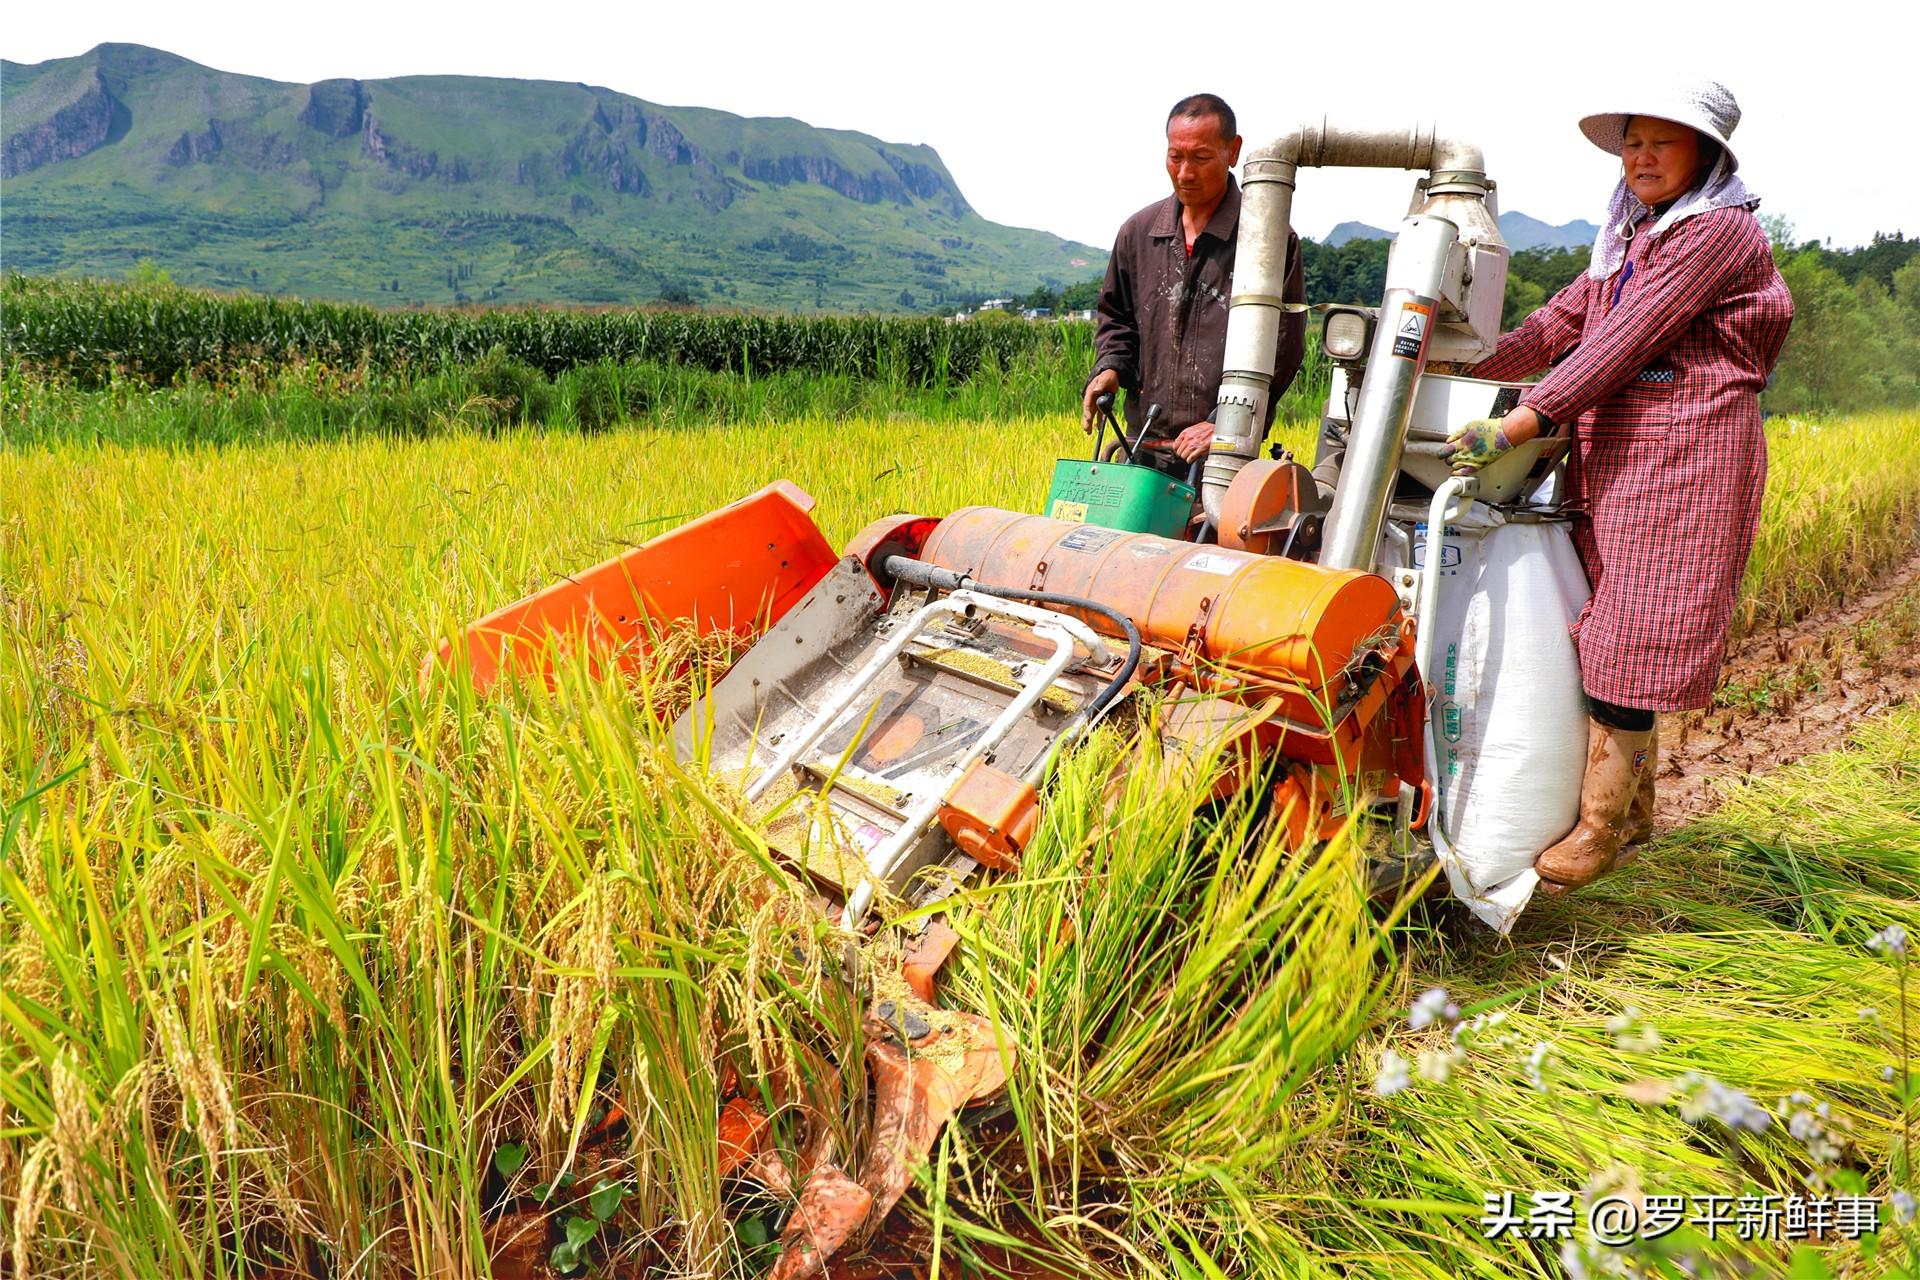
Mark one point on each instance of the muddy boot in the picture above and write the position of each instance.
(1640, 816)
(1615, 760)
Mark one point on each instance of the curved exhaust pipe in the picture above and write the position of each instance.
(1260, 272)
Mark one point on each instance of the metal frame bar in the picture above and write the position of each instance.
(886, 856)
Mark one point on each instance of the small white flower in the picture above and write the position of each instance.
(1693, 1096)
(1633, 1033)
(1887, 1073)
(1803, 1126)
(1437, 1064)
(1585, 1260)
(1465, 1033)
(1393, 1075)
(1432, 1006)
(1736, 1110)
(1539, 1062)
(1890, 941)
(1703, 1096)
(1868, 1013)
(1903, 1205)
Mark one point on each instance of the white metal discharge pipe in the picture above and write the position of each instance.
(1260, 273)
(1394, 365)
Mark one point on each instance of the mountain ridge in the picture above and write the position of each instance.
(1518, 229)
(451, 188)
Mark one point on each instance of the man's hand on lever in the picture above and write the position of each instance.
(1104, 383)
(1194, 441)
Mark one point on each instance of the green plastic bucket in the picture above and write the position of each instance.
(1119, 495)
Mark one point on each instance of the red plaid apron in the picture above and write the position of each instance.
(1659, 370)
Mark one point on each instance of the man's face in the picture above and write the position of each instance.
(1199, 159)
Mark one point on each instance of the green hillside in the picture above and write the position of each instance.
(436, 189)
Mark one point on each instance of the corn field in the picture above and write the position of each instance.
(92, 331)
(310, 966)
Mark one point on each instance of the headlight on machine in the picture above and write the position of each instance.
(1345, 332)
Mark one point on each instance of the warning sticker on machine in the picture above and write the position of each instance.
(1215, 562)
(1076, 512)
(1410, 337)
(1090, 538)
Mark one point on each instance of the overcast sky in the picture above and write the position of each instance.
(1052, 116)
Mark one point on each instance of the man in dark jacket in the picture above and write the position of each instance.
(1162, 325)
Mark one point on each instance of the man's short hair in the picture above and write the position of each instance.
(1201, 105)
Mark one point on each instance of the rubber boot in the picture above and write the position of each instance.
(1615, 760)
(1640, 816)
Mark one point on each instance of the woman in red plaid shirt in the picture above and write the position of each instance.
(1655, 358)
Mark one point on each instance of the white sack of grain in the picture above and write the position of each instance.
(1510, 720)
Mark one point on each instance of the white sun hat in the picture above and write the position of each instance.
(1705, 106)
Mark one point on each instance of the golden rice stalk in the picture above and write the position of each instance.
(74, 1129)
(589, 957)
(36, 1188)
(202, 1083)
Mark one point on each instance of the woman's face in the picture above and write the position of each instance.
(1660, 158)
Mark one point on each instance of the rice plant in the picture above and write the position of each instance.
(311, 966)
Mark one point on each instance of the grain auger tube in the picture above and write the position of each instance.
(1446, 281)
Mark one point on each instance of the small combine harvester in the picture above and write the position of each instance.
(1341, 630)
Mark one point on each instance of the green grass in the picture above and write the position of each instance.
(294, 944)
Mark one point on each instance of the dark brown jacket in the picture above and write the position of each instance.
(1163, 315)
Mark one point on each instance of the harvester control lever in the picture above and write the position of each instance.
(1146, 425)
(1103, 418)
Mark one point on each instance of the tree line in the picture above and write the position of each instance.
(1855, 342)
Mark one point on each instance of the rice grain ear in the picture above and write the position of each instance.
(74, 1131)
(35, 1191)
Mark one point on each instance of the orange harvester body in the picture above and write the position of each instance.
(1285, 663)
(1325, 655)
(735, 571)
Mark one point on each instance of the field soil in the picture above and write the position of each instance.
(1791, 692)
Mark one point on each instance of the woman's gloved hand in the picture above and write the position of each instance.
(1477, 443)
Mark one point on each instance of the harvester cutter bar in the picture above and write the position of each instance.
(877, 715)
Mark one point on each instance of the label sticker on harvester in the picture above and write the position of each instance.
(1089, 538)
(1214, 562)
(1071, 512)
(1410, 338)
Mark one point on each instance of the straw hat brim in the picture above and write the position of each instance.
(1607, 130)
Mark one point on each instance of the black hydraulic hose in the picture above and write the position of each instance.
(921, 574)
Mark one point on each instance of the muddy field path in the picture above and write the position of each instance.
(1792, 692)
